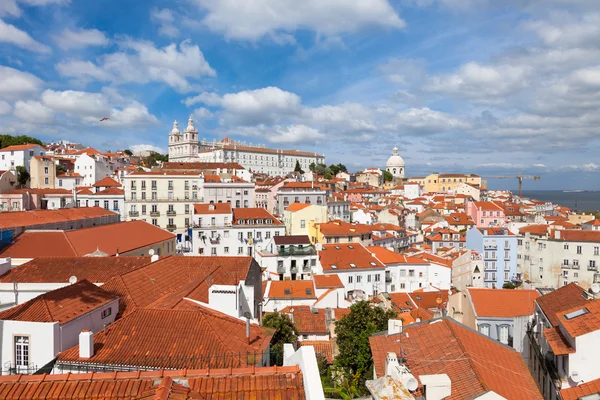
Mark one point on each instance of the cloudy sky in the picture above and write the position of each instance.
(457, 85)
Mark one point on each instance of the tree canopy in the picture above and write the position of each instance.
(154, 158)
(10, 140)
(22, 175)
(298, 167)
(353, 332)
(285, 332)
(128, 152)
(387, 176)
(337, 168)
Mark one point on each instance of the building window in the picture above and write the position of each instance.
(106, 313)
(596, 250)
(578, 249)
(106, 204)
(240, 250)
(115, 205)
(46, 170)
(46, 181)
(97, 203)
(350, 279)
(303, 224)
(60, 183)
(155, 221)
(21, 351)
(213, 251)
(200, 251)
(484, 330)
(225, 250)
(503, 331)
(377, 277)
(144, 209)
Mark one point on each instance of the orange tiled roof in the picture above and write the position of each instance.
(578, 235)
(327, 281)
(111, 191)
(308, 321)
(41, 217)
(253, 214)
(487, 206)
(196, 337)
(324, 347)
(341, 228)
(347, 256)
(206, 208)
(19, 147)
(580, 391)
(107, 182)
(110, 239)
(401, 302)
(564, 298)
(475, 363)
(61, 305)
(297, 206)
(60, 269)
(582, 324)
(389, 257)
(429, 299)
(459, 218)
(291, 290)
(558, 343)
(539, 230)
(502, 303)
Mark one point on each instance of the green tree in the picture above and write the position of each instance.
(328, 176)
(353, 332)
(10, 140)
(508, 285)
(337, 168)
(22, 175)
(60, 169)
(312, 167)
(387, 176)
(285, 332)
(298, 167)
(128, 152)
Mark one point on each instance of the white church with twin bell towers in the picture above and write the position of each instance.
(185, 147)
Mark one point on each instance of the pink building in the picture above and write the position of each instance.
(485, 213)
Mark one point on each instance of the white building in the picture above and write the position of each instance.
(412, 190)
(184, 146)
(68, 180)
(287, 257)
(31, 339)
(19, 155)
(395, 165)
(219, 230)
(362, 274)
(93, 168)
(282, 294)
(106, 193)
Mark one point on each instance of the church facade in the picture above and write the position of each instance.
(185, 147)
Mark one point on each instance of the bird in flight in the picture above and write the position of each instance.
(104, 119)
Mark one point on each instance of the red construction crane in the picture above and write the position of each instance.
(519, 177)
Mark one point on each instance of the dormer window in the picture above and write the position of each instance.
(333, 266)
(269, 221)
(211, 207)
(250, 222)
(259, 222)
(241, 222)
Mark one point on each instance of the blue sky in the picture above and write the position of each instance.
(457, 85)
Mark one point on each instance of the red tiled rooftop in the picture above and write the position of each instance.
(206, 208)
(390, 257)
(254, 214)
(503, 303)
(540, 230)
(176, 339)
(474, 363)
(582, 324)
(61, 305)
(327, 281)
(562, 299)
(558, 343)
(41, 217)
(580, 391)
(60, 269)
(291, 290)
(578, 235)
(347, 256)
(107, 182)
(19, 147)
(341, 228)
(324, 347)
(297, 206)
(308, 321)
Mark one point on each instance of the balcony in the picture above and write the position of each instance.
(566, 266)
(296, 251)
(281, 270)
(575, 266)
(592, 268)
(388, 278)
(171, 227)
(134, 213)
(294, 270)
(171, 213)
(490, 246)
(155, 213)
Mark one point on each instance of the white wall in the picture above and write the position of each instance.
(585, 360)
(12, 294)
(43, 341)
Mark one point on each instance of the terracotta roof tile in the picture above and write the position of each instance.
(401, 302)
(502, 303)
(42, 217)
(111, 191)
(588, 321)
(291, 239)
(390, 257)
(558, 343)
(107, 182)
(60, 269)
(324, 347)
(207, 208)
(580, 391)
(308, 321)
(176, 339)
(347, 256)
(562, 299)
(540, 230)
(291, 290)
(341, 228)
(253, 214)
(19, 147)
(475, 363)
(244, 383)
(578, 235)
(430, 299)
(60, 305)
(327, 281)
(297, 206)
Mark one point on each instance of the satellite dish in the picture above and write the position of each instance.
(72, 280)
(575, 376)
(595, 288)
(151, 252)
(412, 384)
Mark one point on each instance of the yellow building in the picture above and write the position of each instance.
(42, 171)
(444, 183)
(298, 216)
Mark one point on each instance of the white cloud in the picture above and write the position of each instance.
(256, 19)
(84, 70)
(589, 167)
(292, 134)
(10, 7)
(133, 114)
(76, 103)
(566, 31)
(15, 84)
(261, 105)
(13, 35)
(5, 108)
(33, 112)
(142, 62)
(210, 99)
(165, 19)
(77, 39)
(143, 147)
(202, 113)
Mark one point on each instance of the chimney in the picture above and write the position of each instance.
(86, 344)
(394, 326)
(436, 387)
(391, 361)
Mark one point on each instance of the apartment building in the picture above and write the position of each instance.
(93, 168)
(298, 216)
(339, 208)
(300, 192)
(553, 258)
(42, 171)
(19, 155)
(287, 257)
(499, 249)
(220, 230)
(485, 213)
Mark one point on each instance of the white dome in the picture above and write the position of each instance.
(175, 130)
(395, 160)
(190, 127)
